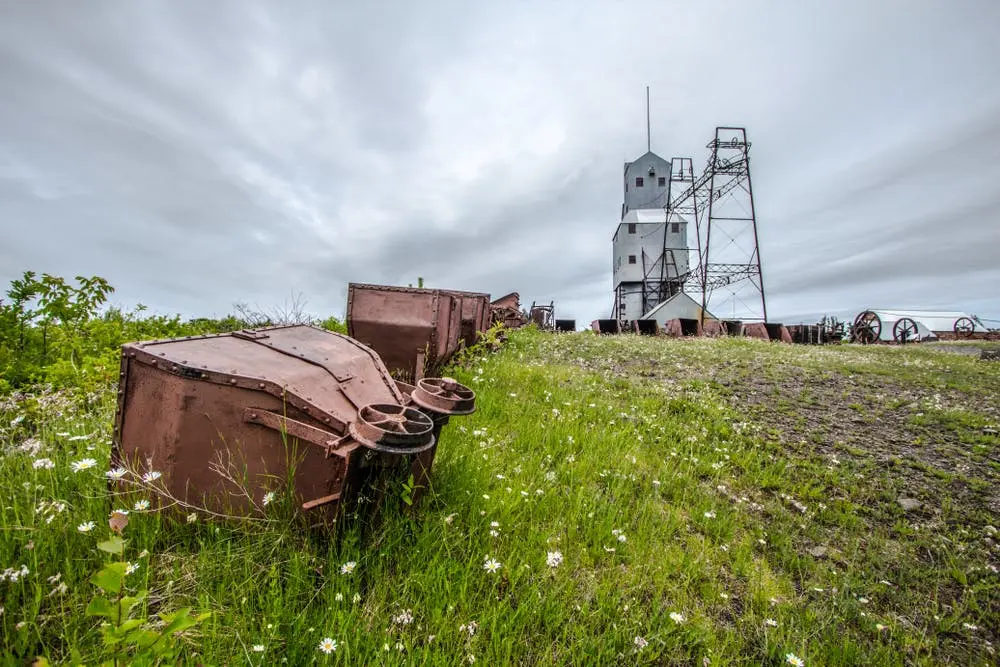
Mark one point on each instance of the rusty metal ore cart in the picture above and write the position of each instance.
(414, 330)
(258, 397)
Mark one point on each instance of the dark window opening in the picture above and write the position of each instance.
(675, 227)
(638, 181)
(631, 228)
(661, 181)
(631, 259)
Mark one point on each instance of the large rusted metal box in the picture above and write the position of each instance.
(475, 314)
(414, 330)
(265, 406)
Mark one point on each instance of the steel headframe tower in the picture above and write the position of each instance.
(732, 284)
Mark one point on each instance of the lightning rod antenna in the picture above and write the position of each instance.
(649, 142)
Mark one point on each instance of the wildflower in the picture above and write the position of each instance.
(115, 473)
(494, 524)
(724, 596)
(771, 622)
(151, 476)
(970, 626)
(710, 514)
(61, 589)
(404, 618)
(451, 517)
(192, 517)
(268, 498)
(83, 464)
(656, 482)
(622, 538)
(491, 565)
(45, 464)
(793, 659)
(258, 648)
(676, 617)
(131, 567)
(356, 599)
(469, 627)
(640, 643)
(348, 567)
(553, 558)
(339, 597)
(141, 505)
(494, 533)
(880, 627)
(328, 645)
(471, 658)
(85, 527)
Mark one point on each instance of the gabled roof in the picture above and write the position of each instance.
(674, 300)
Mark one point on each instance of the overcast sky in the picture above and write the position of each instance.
(197, 154)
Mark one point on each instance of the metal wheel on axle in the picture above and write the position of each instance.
(905, 331)
(964, 327)
(393, 429)
(444, 396)
(867, 328)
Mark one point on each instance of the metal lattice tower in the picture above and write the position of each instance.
(729, 274)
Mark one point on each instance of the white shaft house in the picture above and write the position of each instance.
(650, 256)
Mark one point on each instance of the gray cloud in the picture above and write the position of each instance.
(202, 154)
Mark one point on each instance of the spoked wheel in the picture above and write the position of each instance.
(444, 396)
(964, 327)
(905, 331)
(393, 429)
(867, 328)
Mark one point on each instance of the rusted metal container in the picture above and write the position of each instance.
(507, 310)
(756, 330)
(733, 327)
(713, 329)
(206, 410)
(606, 326)
(565, 325)
(778, 332)
(682, 326)
(475, 314)
(414, 330)
(646, 327)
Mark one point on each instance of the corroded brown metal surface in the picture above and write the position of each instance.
(714, 329)
(756, 330)
(259, 402)
(682, 327)
(414, 330)
(778, 332)
(507, 310)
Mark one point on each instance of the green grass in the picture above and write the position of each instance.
(727, 501)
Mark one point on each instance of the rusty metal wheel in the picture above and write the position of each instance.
(964, 327)
(867, 328)
(393, 429)
(444, 396)
(905, 331)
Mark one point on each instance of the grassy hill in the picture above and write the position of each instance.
(614, 500)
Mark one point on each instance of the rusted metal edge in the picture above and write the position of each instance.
(234, 380)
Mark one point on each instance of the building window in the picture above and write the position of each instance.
(631, 259)
(638, 181)
(631, 228)
(661, 181)
(675, 228)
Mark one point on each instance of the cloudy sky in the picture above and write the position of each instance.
(197, 154)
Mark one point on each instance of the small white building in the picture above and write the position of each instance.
(679, 306)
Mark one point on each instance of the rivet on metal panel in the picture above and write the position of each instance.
(260, 385)
(163, 354)
(131, 354)
(173, 368)
(232, 381)
(204, 375)
(253, 415)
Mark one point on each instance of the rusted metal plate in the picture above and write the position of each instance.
(606, 326)
(413, 330)
(756, 330)
(191, 407)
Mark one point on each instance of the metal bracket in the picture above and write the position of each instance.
(250, 334)
(332, 444)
